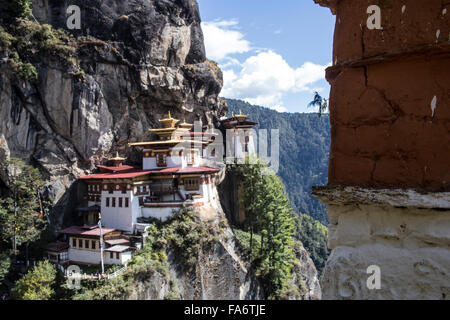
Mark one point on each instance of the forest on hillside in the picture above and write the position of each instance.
(304, 150)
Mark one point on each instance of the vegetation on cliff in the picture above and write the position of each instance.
(23, 42)
(38, 284)
(22, 214)
(304, 151)
(270, 225)
(183, 233)
(304, 148)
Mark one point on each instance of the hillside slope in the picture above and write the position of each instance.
(304, 150)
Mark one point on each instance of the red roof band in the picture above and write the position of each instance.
(139, 173)
(81, 231)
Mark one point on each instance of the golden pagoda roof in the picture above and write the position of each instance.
(117, 158)
(165, 142)
(240, 115)
(169, 122)
(185, 125)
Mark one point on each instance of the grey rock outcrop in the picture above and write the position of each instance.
(141, 59)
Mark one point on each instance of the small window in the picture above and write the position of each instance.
(111, 189)
(93, 244)
(113, 202)
(80, 243)
(107, 202)
(190, 158)
(120, 202)
(192, 184)
(161, 160)
(74, 242)
(127, 202)
(86, 244)
(117, 255)
(111, 255)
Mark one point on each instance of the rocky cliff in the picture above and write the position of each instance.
(97, 89)
(138, 59)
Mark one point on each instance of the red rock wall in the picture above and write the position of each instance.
(384, 132)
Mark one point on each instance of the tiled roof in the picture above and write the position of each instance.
(126, 175)
(83, 231)
(138, 173)
(119, 249)
(57, 246)
(117, 169)
(114, 242)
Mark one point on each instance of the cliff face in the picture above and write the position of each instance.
(141, 59)
(134, 61)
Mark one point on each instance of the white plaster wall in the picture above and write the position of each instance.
(123, 258)
(174, 161)
(149, 163)
(411, 247)
(85, 256)
(118, 218)
(159, 213)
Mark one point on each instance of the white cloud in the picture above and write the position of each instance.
(266, 77)
(279, 108)
(222, 39)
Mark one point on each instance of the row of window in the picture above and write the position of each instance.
(121, 202)
(161, 158)
(84, 244)
(191, 184)
(93, 187)
(111, 255)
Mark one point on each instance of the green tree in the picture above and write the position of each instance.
(320, 102)
(269, 214)
(22, 212)
(314, 236)
(37, 284)
(20, 8)
(5, 263)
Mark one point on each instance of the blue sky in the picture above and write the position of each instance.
(272, 53)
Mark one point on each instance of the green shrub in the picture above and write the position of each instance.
(5, 263)
(37, 284)
(20, 8)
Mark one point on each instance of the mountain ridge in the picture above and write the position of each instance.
(304, 152)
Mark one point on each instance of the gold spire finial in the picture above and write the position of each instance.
(117, 154)
(240, 112)
(232, 114)
(170, 117)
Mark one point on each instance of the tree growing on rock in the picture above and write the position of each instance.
(22, 217)
(269, 214)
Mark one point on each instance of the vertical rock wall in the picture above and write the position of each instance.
(390, 117)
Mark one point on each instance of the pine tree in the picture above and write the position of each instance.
(269, 214)
(22, 212)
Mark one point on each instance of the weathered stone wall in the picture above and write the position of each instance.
(390, 97)
(390, 118)
(404, 233)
